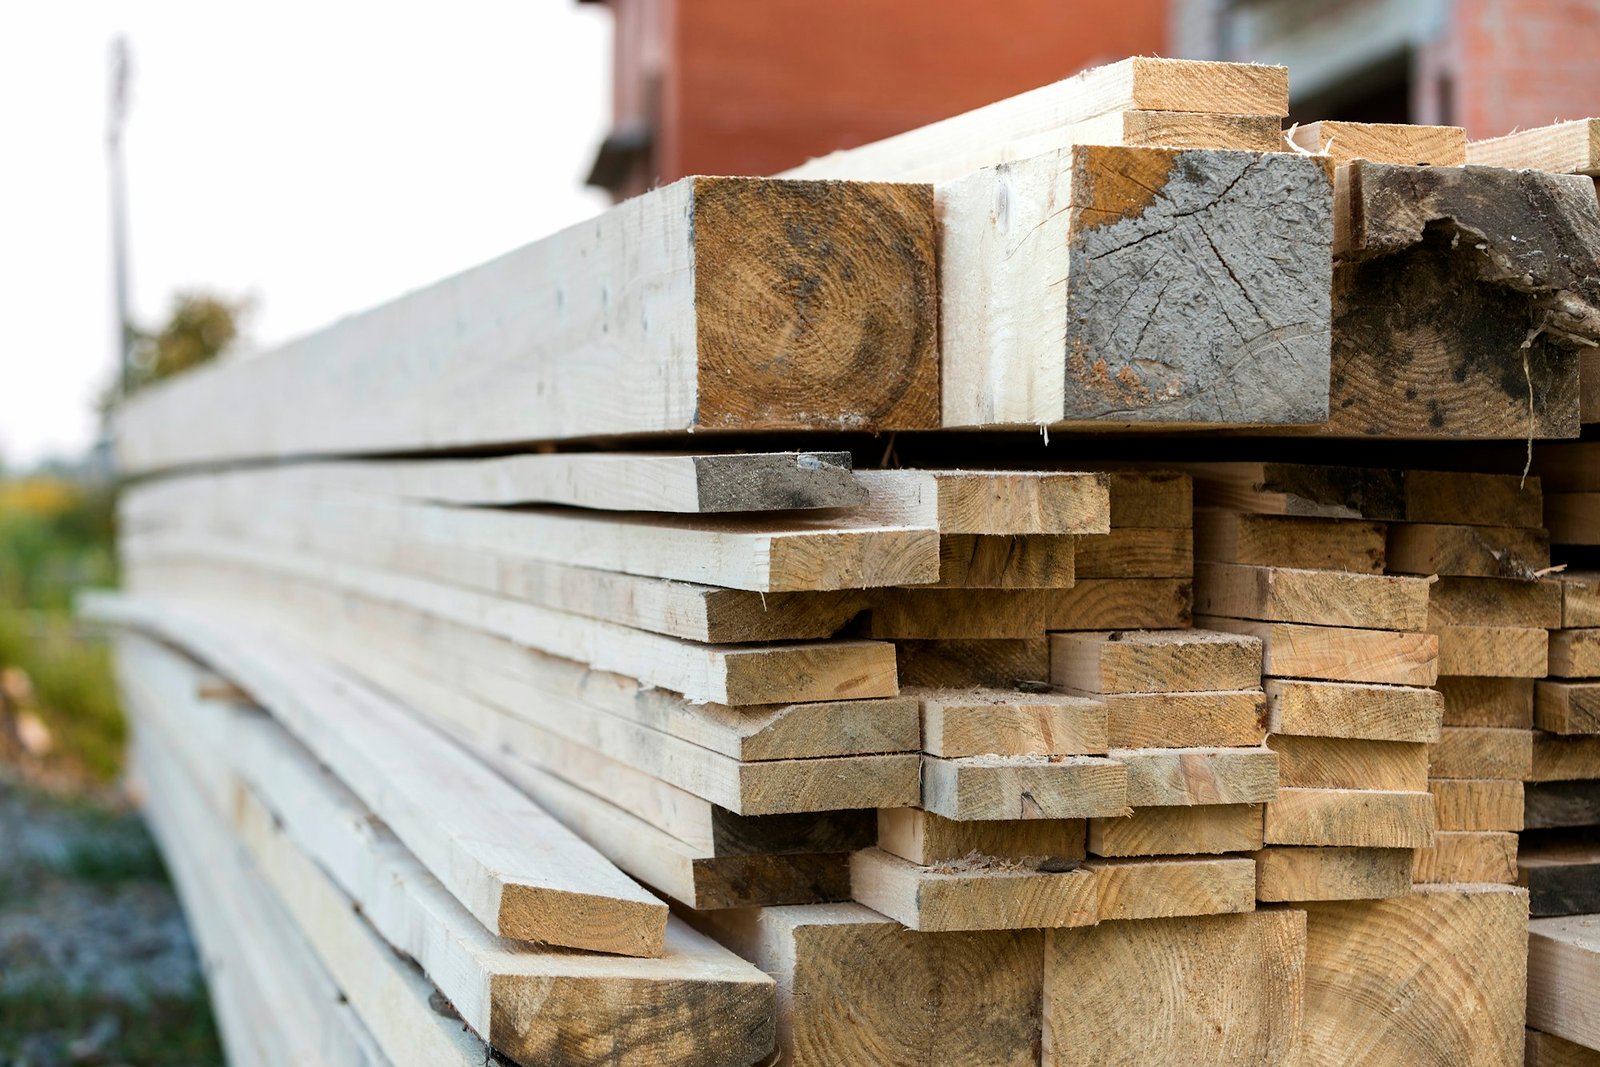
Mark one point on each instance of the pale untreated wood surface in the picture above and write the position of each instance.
(1024, 787)
(973, 894)
(1487, 701)
(1385, 142)
(1363, 818)
(1291, 873)
(925, 838)
(1565, 148)
(1177, 831)
(1564, 977)
(1337, 653)
(1222, 535)
(1154, 661)
(1353, 709)
(1318, 597)
(1468, 857)
(1166, 777)
(1477, 803)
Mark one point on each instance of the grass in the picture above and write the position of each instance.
(160, 1032)
(73, 692)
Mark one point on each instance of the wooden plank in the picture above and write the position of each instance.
(1363, 818)
(856, 987)
(778, 552)
(1032, 123)
(1136, 552)
(973, 894)
(1493, 651)
(1179, 129)
(1222, 535)
(1477, 804)
(1168, 777)
(992, 503)
(1185, 720)
(1567, 707)
(1565, 148)
(1151, 498)
(1494, 602)
(1154, 661)
(553, 347)
(1409, 359)
(1559, 804)
(512, 865)
(1101, 218)
(1024, 787)
(1346, 763)
(1219, 989)
(1561, 869)
(1564, 977)
(1165, 886)
(1468, 551)
(1575, 653)
(1121, 604)
(529, 999)
(706, 483)
(1001, 664)
(1175, 831)
(1547, 1050)
(925, 838)
(955, 614)
(1580, 598)
(977, 722)
(1454, 996)
(1352, 709)
(1336, 653)
(1557, 758)
(1482, 752)
(1487, 701)
(1473, 498)
(1468, 857)
(1573, 518)
(1314, 490)
(1288, 874)
(1317, 597)
(1384, 142)
(977, 561)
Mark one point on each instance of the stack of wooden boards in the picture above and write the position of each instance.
(484, 711)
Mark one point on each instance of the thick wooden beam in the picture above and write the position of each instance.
(1468, 857)
(1564, 978)
(1564, 148)
(1154, 661)
(928, 839)
(1318, 597)
(1178, 831)
(748, 304)
(1384, 142)
(1352, 709)
(1362, 818)
(1222, 535)
(1024, 787)
(1285, 874)
(973, 894)
(1337, 653)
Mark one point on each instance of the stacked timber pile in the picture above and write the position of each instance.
(614, 655)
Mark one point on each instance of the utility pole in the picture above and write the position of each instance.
(116, 117)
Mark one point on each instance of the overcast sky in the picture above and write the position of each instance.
(320, 157)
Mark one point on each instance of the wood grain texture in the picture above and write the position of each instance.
(1564, 148)
(1361, 818)
(1494, 602)
(1573, 518)
(1160, 887)
(1224, 989)
(1024, 787)
(1385, 142)
(1303, 708)
(1469, 857)
(1564, 977)
(856, 987)
(1178, 831)
(1473, 498)
(1136, 552)
(1121, 604)
(1561, 870)
(1168, 777)
(1468, 551)
(978, 722)
(1477, 803)
(1222, 535)
(1575, 653)
(977, 561)
(1560, 804)
(1493, 651)
(751, 304)
(1128, 354)
(925, 838)
(956, 664)
(1580, 598)
(1557, 758)
(1336, 653)
(1454, 998)
(1315, 490)
(1481, 752)
(1285, 874)
(1487, 701)
(1567, 707)
(972, 895)
(1154, 661)
(1180, 129)
(1346, 763)
(1149, 498)
(1185, 720)
(1034, 122)
(993, 503)
(1547, 1050)
(1461, 299)
(1317, 597)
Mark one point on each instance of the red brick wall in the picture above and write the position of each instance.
(1522, 63)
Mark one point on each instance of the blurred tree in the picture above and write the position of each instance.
(200, 327)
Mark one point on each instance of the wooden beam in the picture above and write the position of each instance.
(1487, 701)
(991, 503)
(1564, 978)
(1454, 996)
(977, 561)
(1473, 498)
(1567, 707)
(1165, 886)
(474, 832)
(1346, 763)
(1336, 653)
(1468, 857)
(1222, 535)
(1318, 597)
(1547, 1050)
(1024, 787)
(1384, 142)
(1034, 122)
(1573, 518)
(1289, 874)
(1001, 664)
(1363, 818)
(1180, 129)
(1561, 869)
(1549, 805)
(1121, 604)
(1157, 661)
(1468, 551)
(1411, 358)
(975, 894)
(1580, 598)
(1557, 758)
(1493, 651)
(1564, 148)
(1477, 803)
(1136, 552)
(977, 722)
(554, 347)
(1168, 777)
(1149, 498)
(1185, 720)
(1177, 831)
(1575, 653)
(1482, 752)
(928, 839)
(1494, 602)
(1302, 489)
(1352, 709)
(1219, 989)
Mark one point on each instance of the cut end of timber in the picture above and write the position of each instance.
(583, 920)
(841, 279)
